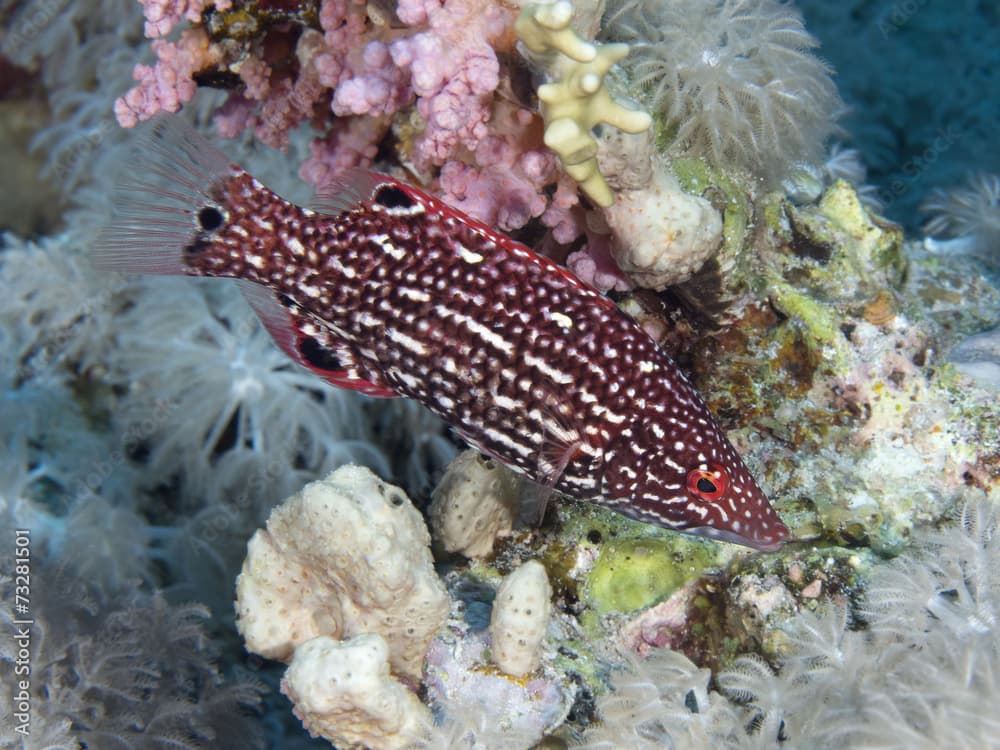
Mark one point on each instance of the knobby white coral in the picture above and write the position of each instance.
(347, 555)
(660, 234)
(342, 690)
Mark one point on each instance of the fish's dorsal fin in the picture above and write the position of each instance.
(284, 322)
(346, 191)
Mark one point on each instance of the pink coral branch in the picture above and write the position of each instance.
(169, 83)
(506, 191)
(454, 73)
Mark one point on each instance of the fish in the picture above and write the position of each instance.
(379, 287)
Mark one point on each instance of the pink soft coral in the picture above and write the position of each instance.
(506, 190)
(595, 265)
(165, 86)
(430, 76)
(351, 142)
(163, 15)
(378, 88)
(454, 72)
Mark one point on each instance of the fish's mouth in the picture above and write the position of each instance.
(765, 543)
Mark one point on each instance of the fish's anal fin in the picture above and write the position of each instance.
(335, 364)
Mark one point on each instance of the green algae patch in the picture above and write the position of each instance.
(636, 573)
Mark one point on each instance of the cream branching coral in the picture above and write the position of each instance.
(578, 99)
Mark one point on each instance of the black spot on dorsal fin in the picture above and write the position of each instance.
(392, 196)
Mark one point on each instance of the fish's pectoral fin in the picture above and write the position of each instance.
(535, 499)
(561, 445)
(562, 440)
(332, 360)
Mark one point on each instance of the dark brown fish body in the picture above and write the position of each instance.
(391, 292)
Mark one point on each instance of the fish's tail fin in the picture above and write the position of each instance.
(168, 203)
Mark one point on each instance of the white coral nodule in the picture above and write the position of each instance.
(521, 613)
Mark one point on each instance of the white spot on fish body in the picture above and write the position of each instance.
(564, 321)
(468, 256)
(417, 295)
(510, 404)
(407, 342)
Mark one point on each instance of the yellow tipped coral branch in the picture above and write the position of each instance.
(578, 100)
(545, 27)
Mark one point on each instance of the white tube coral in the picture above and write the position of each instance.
(349, 554)
(474, 504)
(520, 617)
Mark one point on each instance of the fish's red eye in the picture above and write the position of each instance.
(707, 484)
